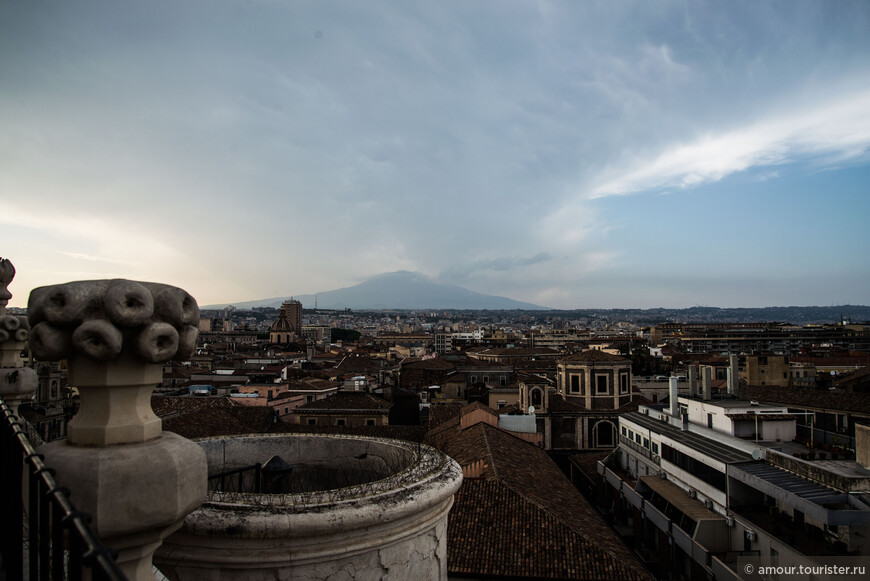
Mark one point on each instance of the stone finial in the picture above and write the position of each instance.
(98, 319)
(17, 383)
(114, 334)
(7, 273)
(136, 481)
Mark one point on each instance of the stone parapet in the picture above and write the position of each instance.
(392, 526)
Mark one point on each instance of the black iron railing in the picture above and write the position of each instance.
(50, 539)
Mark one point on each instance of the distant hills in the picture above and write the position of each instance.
(395, 290)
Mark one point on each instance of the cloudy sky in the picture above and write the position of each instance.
(570, 154)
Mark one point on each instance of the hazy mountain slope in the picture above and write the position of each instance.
(396, 290)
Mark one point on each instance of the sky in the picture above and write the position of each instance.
(571, 154)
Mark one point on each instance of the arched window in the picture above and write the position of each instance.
(536, 398)
(604, 434)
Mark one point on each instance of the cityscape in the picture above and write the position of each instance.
(515, 290)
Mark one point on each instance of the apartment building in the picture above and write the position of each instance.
(704, 485)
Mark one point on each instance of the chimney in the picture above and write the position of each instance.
(672, 394)
(706, 387)
(693, 379)
(732, 375)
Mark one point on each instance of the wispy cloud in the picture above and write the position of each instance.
(500, 264)
(833, 132)
(92, 258)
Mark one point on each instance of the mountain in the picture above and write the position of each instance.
(396, 290)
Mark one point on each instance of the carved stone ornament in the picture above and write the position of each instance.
(17, 383)
(100, 319)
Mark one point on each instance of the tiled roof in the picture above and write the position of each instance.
(528, 472)
(435, 363)
(209, 416)
(440, 413)
(482, 539)
(348, 401)
(520, 351)
(474, 407)
(592, 356)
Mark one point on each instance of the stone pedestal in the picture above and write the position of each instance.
(136, 481)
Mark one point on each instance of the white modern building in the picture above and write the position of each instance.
(705, 485)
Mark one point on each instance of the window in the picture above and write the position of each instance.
(709, 420)
(655, 448)
(473, 379)
(370, 422)
(646, 443)
(312, 422)
(339, 422)
(501, 403)
(575, 384)
(623, 431)
(605, 434)
(623, 383)
(600, 383)
(637, 438)
(536, 397)
(309, 398)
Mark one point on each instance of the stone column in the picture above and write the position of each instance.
(136, 481)
(17, 383)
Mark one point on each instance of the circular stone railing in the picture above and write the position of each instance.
(392, 523)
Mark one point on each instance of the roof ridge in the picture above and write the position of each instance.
(489, 451)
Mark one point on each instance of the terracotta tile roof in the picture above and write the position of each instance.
(528, 472)
(440, 413)
(474, 407)
(810, 398)
(592, 356)
(358, 365)
(519, 351)
(347, 401)
(493, 530)
(436, 363)
(209, 416)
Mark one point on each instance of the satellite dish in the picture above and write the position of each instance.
(757, 454)
(531, 409)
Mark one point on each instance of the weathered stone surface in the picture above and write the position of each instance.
(135, 481)
(100, 319)
(391, 528)
(17, 383)
(149, 485)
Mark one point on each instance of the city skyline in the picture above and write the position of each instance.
(573, 155)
